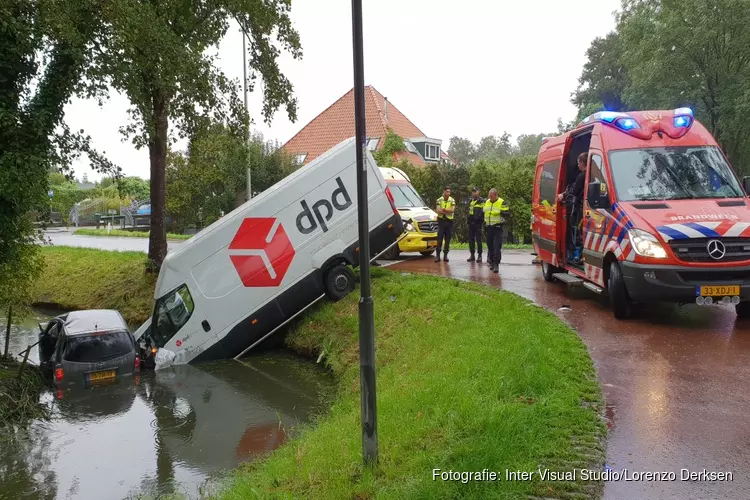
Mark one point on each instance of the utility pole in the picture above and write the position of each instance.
(366, 311)
(244, 88)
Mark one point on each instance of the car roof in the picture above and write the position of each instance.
(93, 320)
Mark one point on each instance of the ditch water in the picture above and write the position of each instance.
(171, 431)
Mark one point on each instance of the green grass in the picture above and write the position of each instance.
(468, 378)
(506, 246)
(83, 278)
(127, 234)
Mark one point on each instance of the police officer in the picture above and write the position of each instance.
(494, 222)
(475, 220)
(445, 207)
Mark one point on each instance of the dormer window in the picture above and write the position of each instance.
(431, 152)
(300, 158)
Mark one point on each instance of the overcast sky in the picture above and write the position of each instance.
(469, 68)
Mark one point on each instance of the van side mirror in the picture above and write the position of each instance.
(597, 195)
(746, 184)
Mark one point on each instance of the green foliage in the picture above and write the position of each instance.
(212, 177)
(649, 63)
(392, 144)
(462, 150)
(161, 55)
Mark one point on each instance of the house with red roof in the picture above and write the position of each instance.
(336, 124)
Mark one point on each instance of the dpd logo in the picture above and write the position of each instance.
(319, 219)
(261, 252)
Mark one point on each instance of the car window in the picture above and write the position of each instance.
(548, 182)
(99, 347)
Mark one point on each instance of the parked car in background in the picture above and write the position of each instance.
(83, 348)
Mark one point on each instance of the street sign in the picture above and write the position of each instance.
(112, 211)
(261, 252)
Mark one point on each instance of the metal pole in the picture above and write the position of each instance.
(366, 314)
(244, 88)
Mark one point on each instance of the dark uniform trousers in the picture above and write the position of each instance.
(494, 243)
(475, 238)
(445, 231)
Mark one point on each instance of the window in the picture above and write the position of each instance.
(431, 152)
(595, 170)
(548, 182)
(300, 158)
(372, 143)
(410, 147)
(404, 195)
(172, 312)
(672, 174)
(94, 348)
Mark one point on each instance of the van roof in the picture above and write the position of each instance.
(93, 320)
(638, 129)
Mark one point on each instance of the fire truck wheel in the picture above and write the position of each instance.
(548, 270)
(618, 294)
(743, 310)
(338, 282)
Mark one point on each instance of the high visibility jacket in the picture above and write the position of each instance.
(443, 203)
(494, 212)
(476, 210)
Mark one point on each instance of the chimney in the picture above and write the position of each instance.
(386, 108)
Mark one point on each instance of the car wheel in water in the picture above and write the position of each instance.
(619, 299)
(338, 282)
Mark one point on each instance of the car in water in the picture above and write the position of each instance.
(84, 348)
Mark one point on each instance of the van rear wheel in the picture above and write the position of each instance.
(338, 282)
(392, 253)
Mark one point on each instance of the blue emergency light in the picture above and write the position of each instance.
(683, 117)
(626, 124)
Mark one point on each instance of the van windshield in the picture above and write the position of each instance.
(672, 174)
(405, 196)
(170, 314)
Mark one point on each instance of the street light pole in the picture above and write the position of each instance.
(244, 88)
(366, 312)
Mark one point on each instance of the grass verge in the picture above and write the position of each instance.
(84, 278)
(19, 398)
(469, 378)
(127, 234)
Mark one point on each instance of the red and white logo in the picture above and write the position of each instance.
(261, 252)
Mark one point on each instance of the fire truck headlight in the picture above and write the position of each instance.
(646, 244)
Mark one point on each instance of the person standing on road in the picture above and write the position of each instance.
(445, 207)
(494, 222)
(475, 220)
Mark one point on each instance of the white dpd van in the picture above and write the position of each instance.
(243, 276)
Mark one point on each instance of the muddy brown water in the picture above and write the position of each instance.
(675, 380)
(171, 431)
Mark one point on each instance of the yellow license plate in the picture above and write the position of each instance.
(97, 376)
(719, 291)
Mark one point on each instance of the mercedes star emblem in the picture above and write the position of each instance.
(716, 249)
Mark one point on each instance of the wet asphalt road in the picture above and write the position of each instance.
(675, 380)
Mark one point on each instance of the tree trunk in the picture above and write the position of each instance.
(157, 150)
(7, 331)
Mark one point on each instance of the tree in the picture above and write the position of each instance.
(45, 52)
(461, 150)
(158, 54)
(604, 78)
(529, 144)
(494, 148)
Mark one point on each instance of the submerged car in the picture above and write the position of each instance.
(87, 347)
